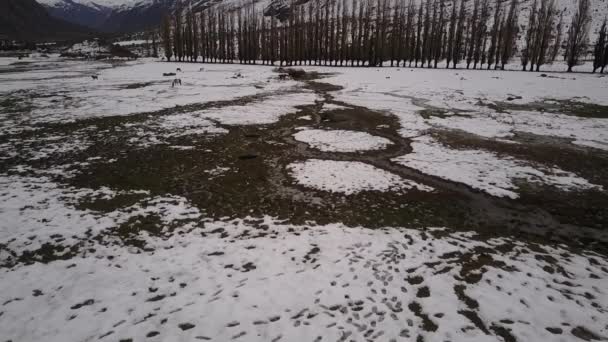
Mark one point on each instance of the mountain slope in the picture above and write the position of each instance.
(85, 14)
(112, 15)
(137, 17)
(28, 20)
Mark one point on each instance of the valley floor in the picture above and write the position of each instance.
(340, 204)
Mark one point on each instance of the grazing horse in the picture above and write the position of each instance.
(175, 82)
(95, 77)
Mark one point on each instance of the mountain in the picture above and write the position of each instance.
(112, 15)
(28, 20)
(85, 14)
(137, 16)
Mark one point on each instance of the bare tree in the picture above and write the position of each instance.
(499, 46)
(481, 32)
(605, 59)
(495, 34)
(395, 34)
(154, 45)
(165, 32)
(460, 32)
(530, 36)
(384, 23)
(432, 24)
(439, 35)
(426, 32)
(188, 38)
(410, 34)
(177, 32)
(344, 33)
(578, 34)
(599, 52)
(557, 42)
(472, 36)
(451, 34)
(545, 31)
(353, 33)
(419, 30)
(359, 48)
(204, 34)
(365, 42)
(195, 39)
(510, 31)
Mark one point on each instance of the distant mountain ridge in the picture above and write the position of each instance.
(86, 14)
(112, 15)
(28, 20)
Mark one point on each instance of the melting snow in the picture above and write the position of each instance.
(259, 112)
(485, 170)
(341, 140)
(348, 177)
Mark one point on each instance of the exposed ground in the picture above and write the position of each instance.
(334, 205)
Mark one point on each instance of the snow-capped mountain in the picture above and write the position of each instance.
(84, 13)
(28, 20)
(110, 15)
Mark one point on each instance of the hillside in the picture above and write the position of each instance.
(112, 15)
(28, 20)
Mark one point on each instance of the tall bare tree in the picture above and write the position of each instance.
(177, 32)
(545, 32)
(510, 31)
(495, 34)
(460, 34)
(472, 36)
(419, 30)
(599, 52)
(557, 42)
(481, 33)
(578, 34)
(165, 32)
(527, 52)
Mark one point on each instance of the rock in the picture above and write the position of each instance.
(248, 156)
(556, 331)
(186, 326)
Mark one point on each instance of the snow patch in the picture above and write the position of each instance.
(348, 177)
(341, 140)
(484, 170)
(265, 111)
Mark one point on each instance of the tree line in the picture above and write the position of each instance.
(424, 33)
